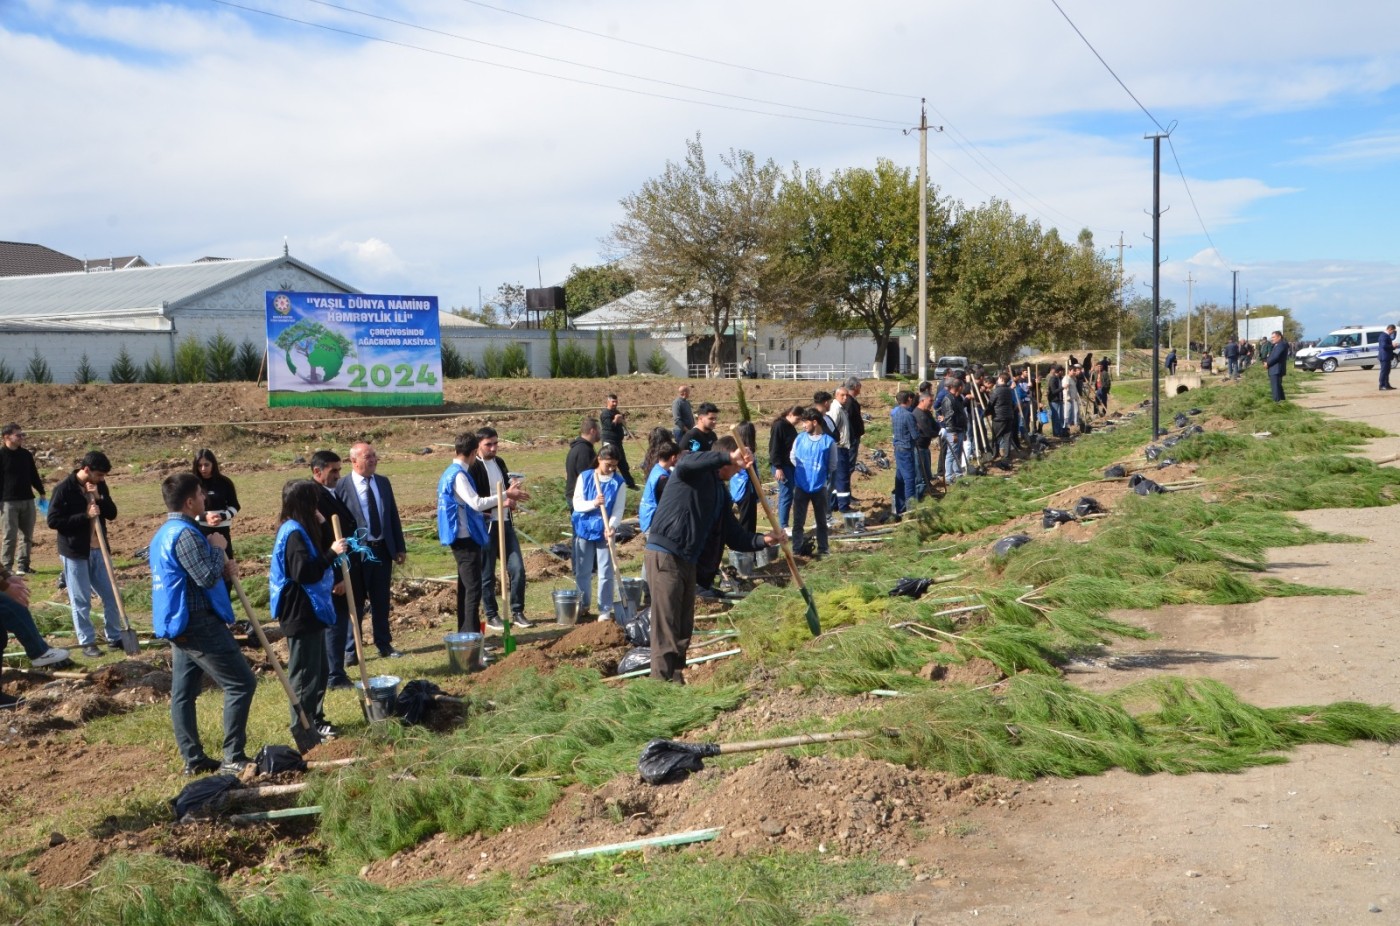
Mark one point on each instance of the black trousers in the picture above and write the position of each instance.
(373, 586)
(308, 670)
(468, 557)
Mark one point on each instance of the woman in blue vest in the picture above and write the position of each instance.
(300, 585)
(462, 529)
(598, 491)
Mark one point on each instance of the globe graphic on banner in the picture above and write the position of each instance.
(315, 353)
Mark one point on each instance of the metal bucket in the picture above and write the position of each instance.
(636, 593)
(383, 697)
(855, 521)
(464, 652)
(566, 605)
(743, 563)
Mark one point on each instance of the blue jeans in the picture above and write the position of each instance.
(784, 499)
(845, 463)
(923, 458)
(1057, 419)
(515, 570)
(337, 635)
(906, 479)
(954, 470)
(207, 647)
(16, 619)
(84, 576)
(588, 556)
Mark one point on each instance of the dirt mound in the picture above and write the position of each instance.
(66, 864)
(844, 807)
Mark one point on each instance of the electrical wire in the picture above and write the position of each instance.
(591, 67)
(523, 70)
(682, 54)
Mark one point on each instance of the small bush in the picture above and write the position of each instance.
(6, 374)
(612, 356)
(191, 361)
(156, 370)
(124, 369)
(222, 366)
(600, 354)
(38, 370)
(658, 362)
(454, 365)
(248, 363)
(515, 363)
(574, 362)
(554, 353)
(632, 353)
(85, 373)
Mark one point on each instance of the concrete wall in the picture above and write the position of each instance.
(473, 342)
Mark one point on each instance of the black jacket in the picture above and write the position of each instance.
(581, 457)
(696, 504)
(780, 439)
(1003, 404)
(612, 429)
(1054, 389)
(19, 477)
(68, 516)
(1278, 359)
(854, 421)
(328, 504)
(304, 567)
(953, 411)
(928, 428)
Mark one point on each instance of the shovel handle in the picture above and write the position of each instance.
(271, 657)
(111, 572)
(354, 618)
(801, 739)
(618, 599)
(508, 637)
(773, 520)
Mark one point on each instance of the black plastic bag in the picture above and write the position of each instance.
(862, 468)
(415, 699)
(637, 658)
(562, 550)
(200, 800)
(271, 760)
(1006, 544)
(1197, 429)
(1144, 486)
(910, 588)
(666, 761)
(1171, 441)
(1152, 452)
(1181, 420)
(1116, 471)
(638, 629)
(1086, 506)
(624, 533)
(1052, 516)
(1194, 411)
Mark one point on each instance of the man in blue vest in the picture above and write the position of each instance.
(462, 529)
(190, 607)
(1387, 355)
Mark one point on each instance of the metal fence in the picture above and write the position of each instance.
(821, 371)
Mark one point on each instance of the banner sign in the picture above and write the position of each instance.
(349, 349)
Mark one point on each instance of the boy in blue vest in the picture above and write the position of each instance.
(812, 465)
(462, 529)
(600, 497)
(190, 607)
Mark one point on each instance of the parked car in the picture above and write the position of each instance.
(1352, 346)
(944, 364)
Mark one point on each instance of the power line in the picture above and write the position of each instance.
(523, 70)
(1106, 65)
(682, 54)
(591, 67)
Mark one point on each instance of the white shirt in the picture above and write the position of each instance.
(364, 488)
(495, 476)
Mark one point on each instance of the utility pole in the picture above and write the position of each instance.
(1234, 298)
(1156, 281)
(1122, 310)
(1189, 309)
(923, 242)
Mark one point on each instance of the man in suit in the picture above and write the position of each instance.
(370, 499)
(325, 472)
(1387, 355)
(1277, 364)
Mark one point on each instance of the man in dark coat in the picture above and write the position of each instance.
(582, 455)
(370, 499)
(1277, 364)
(694, 508)
(614, 425)
(1003, 417)
(325, 472)
(1232, 359)
(1387, 355)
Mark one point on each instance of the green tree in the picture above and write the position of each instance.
(38, 369)
(191, 361)
(323, 348)
(600, 354)
(658, 362)
(124, 369)
(698, 240)
(7, 375)
(156, 370)
(554, 353)
(454, 366)
(587, 288)
(632, 352)
(223, 355)
(85, 373)
(852, 250)
(1137, 321)
(612, 356)
(248, 363)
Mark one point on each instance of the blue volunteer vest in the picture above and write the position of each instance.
(647, 507)
(450, 511)
(277, 581)
(170, 611)
(589, 525)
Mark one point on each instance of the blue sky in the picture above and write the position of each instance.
(180, 129)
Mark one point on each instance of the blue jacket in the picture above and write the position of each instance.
(1387, 347)
(811, 462)
(739, 486)
(647, 507)
(171, 586)
(277, 580)
(589, 525)
(906, 429)
(450, 510)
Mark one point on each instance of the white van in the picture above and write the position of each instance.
(1352, 346)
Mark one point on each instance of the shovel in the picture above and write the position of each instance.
(354, 625)
(130, 645)
(814, 623)
(619, 600)
(507, 638)
(666, 761)
(305, 735)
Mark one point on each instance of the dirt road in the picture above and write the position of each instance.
(1314, 841)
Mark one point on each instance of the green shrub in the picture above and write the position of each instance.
(191, 361)
(574, 362)
(156, 370)
(554, 353)
(632, 353)
(514, 363)
(6, 374)
(85, 373)
(612, 356)
(38, 370)
(658, 362)
(600, 354)
(124, 369)
(222, 354)
(248, 363)
(454, 365)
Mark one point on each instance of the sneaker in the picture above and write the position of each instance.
(326, 732)
(52, 658)
(604, 616)
(91, 651)
(235, 766)
(493, 622)
(201, 766)
(518, 620)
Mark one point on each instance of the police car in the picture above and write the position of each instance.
(1352, 346)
